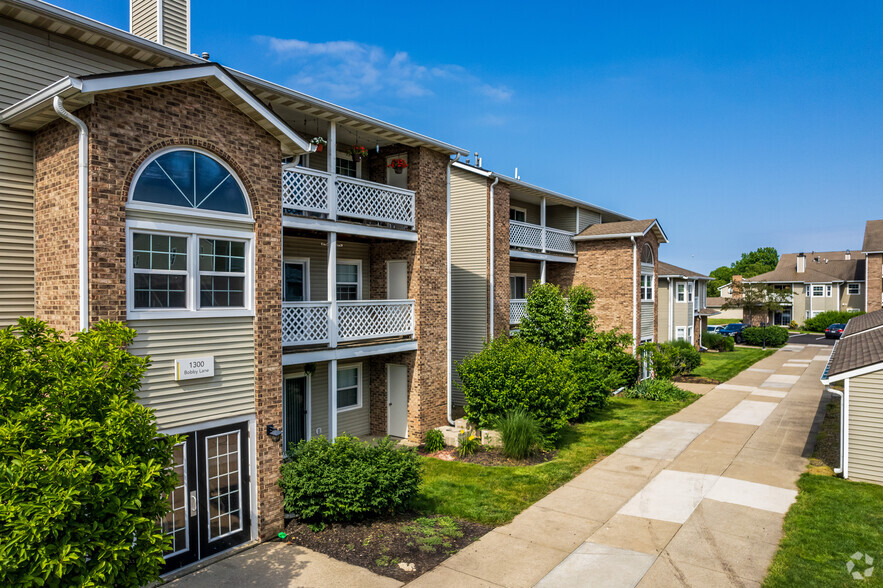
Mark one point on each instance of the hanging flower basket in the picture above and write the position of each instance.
(397, 165)
(358, 152)
(319, 142)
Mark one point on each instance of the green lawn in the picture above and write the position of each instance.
(720, 321)
(494, 495)
(723, 366)
(831, 520)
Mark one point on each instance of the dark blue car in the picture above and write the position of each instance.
(733, 330)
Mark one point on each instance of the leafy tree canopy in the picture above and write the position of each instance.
(753, 263)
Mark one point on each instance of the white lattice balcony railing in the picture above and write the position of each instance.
(307, 323)
(305, 189)
(516, 310)
(529, 236)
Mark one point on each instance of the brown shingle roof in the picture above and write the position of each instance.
(667, 269)
(622, 229)
(831, 267)
(861, 345)
(715, 301)
(864, 322)
(873, 236)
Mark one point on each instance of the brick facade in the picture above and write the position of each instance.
(874, 281)
(378, 390)
(501, 258)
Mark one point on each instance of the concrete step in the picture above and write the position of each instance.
(450, 434)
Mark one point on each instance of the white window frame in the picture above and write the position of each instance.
(308, 401)
(681, 291)
(518, 209)
(689, 291)
(348, 157)
(306, 263)
(828, 290)
(358, 405)
(358, 264)
(821, 288)
(649, 287)
(524, 277)
(858, 289)
(680, 333)
(193, 233)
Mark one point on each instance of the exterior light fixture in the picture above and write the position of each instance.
(274, 433)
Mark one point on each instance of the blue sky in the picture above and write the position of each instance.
(737, 125)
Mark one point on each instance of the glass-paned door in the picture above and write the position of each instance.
(294, 406)
(179, 524)
(295, 281)
(517, 287)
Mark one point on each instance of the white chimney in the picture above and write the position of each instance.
(801, 263)
(164, 21)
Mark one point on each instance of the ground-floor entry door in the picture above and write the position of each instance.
(397, 398)
(210, 506)
(295, 403)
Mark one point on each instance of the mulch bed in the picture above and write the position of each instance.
(380, 545)
(490, 457)
(695, 380)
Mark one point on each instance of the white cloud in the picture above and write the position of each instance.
(350, 70)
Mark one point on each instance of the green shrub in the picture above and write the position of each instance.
(514, 373)
(669, 360)
(83, 473)
(468, 443)
(660, 390)
(775, 336)
(554, 322)
(520, 433)
(434, 440)
(348, 480)
(821, 321)
(718, 342)
(600, 366)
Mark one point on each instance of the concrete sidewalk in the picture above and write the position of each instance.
(696, 500)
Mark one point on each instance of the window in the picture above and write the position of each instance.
(188, 178)
(346, 167)
(518, 214)
(689, 292)
(518, 287)
(853, 289)
(818, 291)
(159, 266)
(680, 333)
(348, 280)
(681, 290)
(295, 278)
(646, 287)
(221, 273)
(647, 254)
(828, 291)
(349, 387)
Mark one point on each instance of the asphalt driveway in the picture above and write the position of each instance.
(810, 339)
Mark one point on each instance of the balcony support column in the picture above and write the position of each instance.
(543, 271)
(543, 220)
(332, 399)
(332, 169)
(576, 229)
(332, 290)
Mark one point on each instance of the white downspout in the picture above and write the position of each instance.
(671, 316)
(843, 436)
(493, 239)
(448, 310)
(635, 296)
(83, 206)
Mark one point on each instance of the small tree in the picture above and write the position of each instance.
(83, 472)
(555, 322)
(758, 298)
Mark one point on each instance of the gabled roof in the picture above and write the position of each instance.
(622, 230)
(667, 270)
(831, 267)
(873, 242)
(37, 110)
(715, 301)
(860, 347)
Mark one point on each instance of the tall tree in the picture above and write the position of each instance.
(753, 263)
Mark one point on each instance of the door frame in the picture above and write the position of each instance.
(306, 263)
(308, 419)
(389, 398)
(389, 276)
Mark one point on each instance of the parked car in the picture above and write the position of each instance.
(714, 328)
(733, 330)
(834, 331)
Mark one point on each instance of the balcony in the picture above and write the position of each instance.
(516, 310)
(327, 323)
(529, 236)
(341, 197)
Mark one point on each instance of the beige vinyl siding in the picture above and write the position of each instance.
(532, 210)
(353, 422)
(318, 161)
(682, 312)
(357, 421)
(317, 253)
(144, 18)
(530, 269)
(665, 295)
(230, 392)
(30, 60)
(587, 218)
(848, 301)
(174, 24)
(866, 427)
(562, 217)
(469, 261)
(646, 320)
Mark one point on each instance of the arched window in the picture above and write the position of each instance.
(190, 179)
(647, 254)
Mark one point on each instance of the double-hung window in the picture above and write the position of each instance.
(348, 280)
(221, 273)
(828, 291)
(349, 387)
(517, 287)
(647, 287)
(346, 167)
(159, 271)
(853, 289)
(681, 290)
(518, 214)
(689, 292)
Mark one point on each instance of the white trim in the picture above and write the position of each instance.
(868, 369)
(159, 23)
(526, 286)
(517, 209)
(856, 284)
(844, 411)
(359, 392)
(389, 399)
(344, 228)
(306, 263)
(680, 333)
(358, 264)
(308, 420)
(678, 286)
(540, 256)
(664, 238)
(344, 353)
(207, 479)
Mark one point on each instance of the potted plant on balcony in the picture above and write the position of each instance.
(398, 164)
(358, 152)
(320, 143)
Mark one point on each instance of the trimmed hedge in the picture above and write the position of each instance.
(775, 336)
(348, 480)
(821, 321)
(659, 390)
(718, 342)
(668, 360)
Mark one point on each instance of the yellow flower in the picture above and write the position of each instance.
(471, 437)
(462, 431)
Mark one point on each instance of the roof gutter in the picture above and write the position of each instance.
(83, 205)
(491, 269)
(635, 296)
(450, 391)
(844, 434)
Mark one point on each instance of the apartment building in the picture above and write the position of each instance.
(282, 291)
(508, 235)
(683, 310)
(872, 247)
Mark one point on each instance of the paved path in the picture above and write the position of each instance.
(696, 500)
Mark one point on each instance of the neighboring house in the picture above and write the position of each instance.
(507, 235)
(815, 283)
(716, 303)
(872, 247)
(274, 287)
(683, 311)
(857, 362)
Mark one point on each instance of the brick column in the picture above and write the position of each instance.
(874, 281)
(500, 235)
